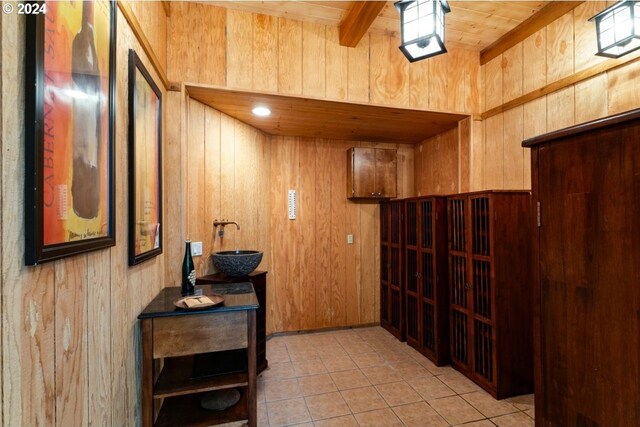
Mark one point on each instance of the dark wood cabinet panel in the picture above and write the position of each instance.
(426, 277)
(386, 173)
(391, 268)
(259, 281)
(490, 276)
(371, 173)
(586, 188)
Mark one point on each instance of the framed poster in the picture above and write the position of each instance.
(145, 163)
(69, 129)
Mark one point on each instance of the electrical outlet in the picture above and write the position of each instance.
(349, 239)
(196, 248)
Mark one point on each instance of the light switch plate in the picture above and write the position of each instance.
(349, 239)
(196, 248)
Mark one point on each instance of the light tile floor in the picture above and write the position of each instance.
(366, 377)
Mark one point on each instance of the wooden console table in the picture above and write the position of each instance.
(259, 280)
(179, 349)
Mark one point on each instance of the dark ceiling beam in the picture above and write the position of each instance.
(535, 22)
(357, 21)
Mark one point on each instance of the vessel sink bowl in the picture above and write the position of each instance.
(237, 263)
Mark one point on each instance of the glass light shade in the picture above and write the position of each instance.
(618, 29)
(422, 23)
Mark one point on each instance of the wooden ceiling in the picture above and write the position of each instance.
(470, 25)
(319, 118)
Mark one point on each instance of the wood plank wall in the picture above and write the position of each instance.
(253, 51)
(70, 339)
(317, 280)
(562, 48)
(228, 163)
(240, 174)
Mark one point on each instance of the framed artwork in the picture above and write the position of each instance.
(145, 163)
(69, 129)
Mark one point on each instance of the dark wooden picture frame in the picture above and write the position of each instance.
(60, 93)
(141, 231)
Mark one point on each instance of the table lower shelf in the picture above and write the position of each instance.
(185, 411)
(177, 376)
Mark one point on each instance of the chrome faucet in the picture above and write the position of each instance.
(222, 223)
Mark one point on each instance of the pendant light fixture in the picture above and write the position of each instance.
(422, 23)
(618, 29)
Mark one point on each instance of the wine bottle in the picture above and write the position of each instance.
(188, 271)
(85, 184)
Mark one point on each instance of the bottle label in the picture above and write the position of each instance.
(192, 277)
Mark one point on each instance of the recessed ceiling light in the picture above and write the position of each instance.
(261, 111)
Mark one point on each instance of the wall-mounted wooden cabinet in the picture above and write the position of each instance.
(391, 269)
(371, 173)
(490, 279)
(426, 278)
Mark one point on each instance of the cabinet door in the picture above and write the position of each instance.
(384, 264)
(482, 292)
(395, 261)
(386, 170)
(588, 190)
(364, 172)
(412, 273)
(459, 282)
(427, 276)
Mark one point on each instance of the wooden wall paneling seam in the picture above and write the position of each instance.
(560, 48)
(591, 98)
(307, 238)
(464, 154)
(438, 82)
(228, 181)
(513, 72)
(289, 56)
(336, 66)
(534, 55)
(338, 235)
(239, 49)
(476, 158)
(455, 86)
(71, 345)
(166, 5)
(389, 73)
(542, 18)
(512, 150)
(560, 109)
(195, 177)
(120, 390)
(212, 183)
(358, 70)
(564, 82)
(131, 18)
(276, 185)
(265, 52)
(97, 336)
(493, 83)
(494, 149)
(585, 38)
(313, 59)
(323, 242)
(419, 88)
(622, 92)
(353, 285)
